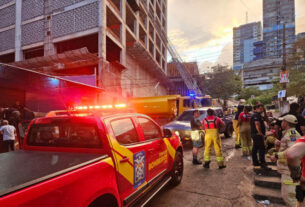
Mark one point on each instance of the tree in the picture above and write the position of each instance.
(247, 93)
(222, 83)
(296, 66)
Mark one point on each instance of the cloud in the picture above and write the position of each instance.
(202, 30)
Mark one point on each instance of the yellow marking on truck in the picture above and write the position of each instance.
(162, 158)
(108, 161)
(125, 169)
(170, 149)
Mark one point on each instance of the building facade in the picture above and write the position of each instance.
(244, 37)
(262, 73)
(121, 42)
(276, 15)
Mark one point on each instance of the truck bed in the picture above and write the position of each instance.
(20, 169)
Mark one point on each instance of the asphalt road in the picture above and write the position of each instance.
(231, 186)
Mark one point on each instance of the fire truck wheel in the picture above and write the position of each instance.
(177, 171)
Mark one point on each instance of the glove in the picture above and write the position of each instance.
(299, 193)
(295, 173)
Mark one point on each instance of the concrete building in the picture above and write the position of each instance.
(179, 84)
(262, 73)
(244, 37)
(276, 14)
(259, 50)
(122, 43)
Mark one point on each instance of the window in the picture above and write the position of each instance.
(64, 135)
(150, 130)
(188, 115)
(125, 131)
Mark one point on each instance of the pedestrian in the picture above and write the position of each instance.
(211, 125)
(295, 110)
(258, 130)
(289, 138)
(196, 126)
(240, 109)
(9, 133)
(270, 136)
(295, 156)
(245, 131)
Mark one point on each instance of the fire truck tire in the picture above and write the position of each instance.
(177, 171)
(104, 201)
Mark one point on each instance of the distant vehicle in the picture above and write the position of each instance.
(182, 126)
(163, 109)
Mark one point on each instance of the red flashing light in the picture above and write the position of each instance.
(117, 106)
(120, 106)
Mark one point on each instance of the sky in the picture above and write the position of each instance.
(202, 30)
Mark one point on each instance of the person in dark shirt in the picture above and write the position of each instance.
(258, 131)
(196, 126)
(294, 110)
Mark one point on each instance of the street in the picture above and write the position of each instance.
(231, 186)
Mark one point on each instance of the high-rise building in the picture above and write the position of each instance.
(122, 42)
(261, 73)
(244, 37)
(276, 14)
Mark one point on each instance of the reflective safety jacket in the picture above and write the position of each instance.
(211, 122)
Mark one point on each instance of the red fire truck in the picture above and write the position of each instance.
(91, 158)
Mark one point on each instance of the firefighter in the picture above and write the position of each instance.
(291, 135)
(236, 128)
(245, 131)
(295, 156)
(212, 124)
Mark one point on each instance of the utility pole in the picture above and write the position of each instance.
(284, 48)
(284, 104)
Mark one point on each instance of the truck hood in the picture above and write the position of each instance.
(178, 125)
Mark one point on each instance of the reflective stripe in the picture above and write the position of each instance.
(219, 159)
(206, 158)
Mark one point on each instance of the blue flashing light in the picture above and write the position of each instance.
(192, 95)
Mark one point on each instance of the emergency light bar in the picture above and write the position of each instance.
(117, 106)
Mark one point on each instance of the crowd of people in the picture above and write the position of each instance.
(259, 135)
(11, 119)
(274, 137)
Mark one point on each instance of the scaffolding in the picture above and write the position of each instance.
(190, 82)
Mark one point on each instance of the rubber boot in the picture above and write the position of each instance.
(206, 164)
(196, 161)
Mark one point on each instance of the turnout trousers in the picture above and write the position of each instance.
(212, 138)
(236, 130)
(245, 137)
(288, 190)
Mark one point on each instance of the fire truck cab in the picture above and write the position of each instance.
(91, 159)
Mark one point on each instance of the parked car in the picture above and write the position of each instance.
(182, 126)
